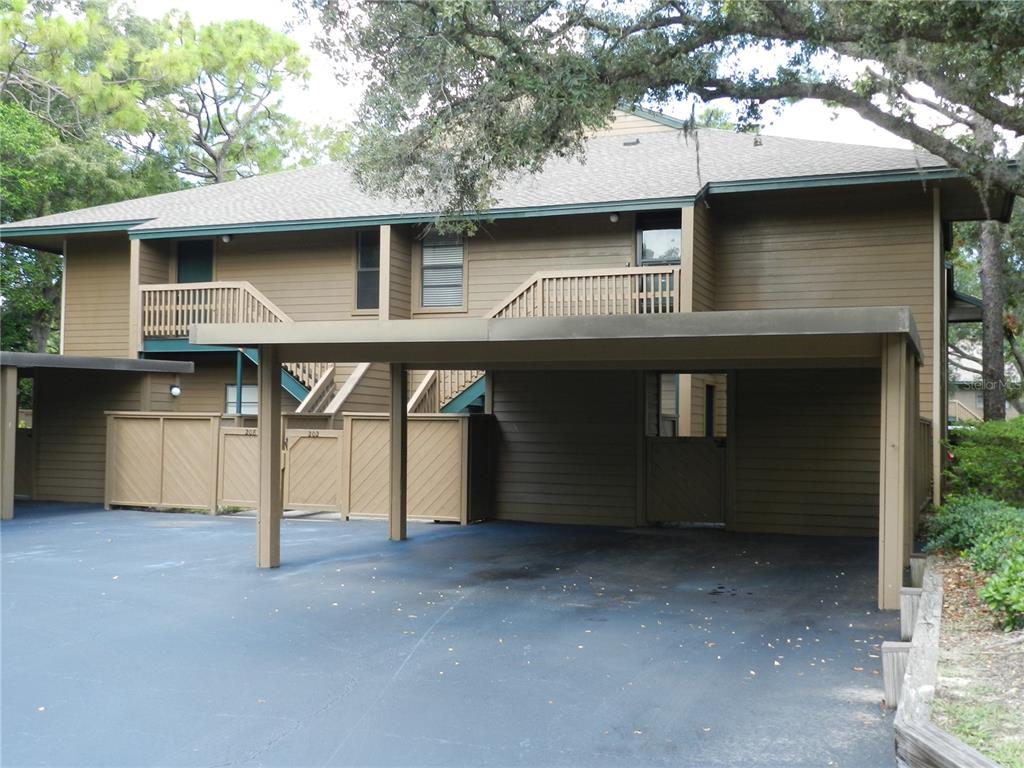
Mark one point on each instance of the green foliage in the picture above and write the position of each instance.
(962, 522)
(988, 459)
(99, 104)
(990, 534)
(464, 94)
(222, 118)
(44, 172)
(1004, 591)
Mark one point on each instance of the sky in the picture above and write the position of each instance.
(325, 100)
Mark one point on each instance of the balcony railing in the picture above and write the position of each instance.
(625, 291)
(168, 311)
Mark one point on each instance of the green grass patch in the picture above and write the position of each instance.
(986, 726)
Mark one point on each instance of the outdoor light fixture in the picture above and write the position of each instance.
(614, 218)
(175, 390)
(225, 238)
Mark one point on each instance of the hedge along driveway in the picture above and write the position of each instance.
(135, 638)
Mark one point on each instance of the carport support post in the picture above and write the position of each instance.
(399, 424)
(9, 420)
(271, 499)
(894, 477)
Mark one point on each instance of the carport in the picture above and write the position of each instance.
(863, 339)
(69, 401)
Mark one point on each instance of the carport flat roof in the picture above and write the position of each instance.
(696, 340)
(30, 360)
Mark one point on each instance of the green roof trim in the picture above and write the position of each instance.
(832, 180)
(157, 346)
(615, 206)
(70, 229)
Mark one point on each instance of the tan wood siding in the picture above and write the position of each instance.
(627, 124)
(806, 445)
(372, 393)
(204, 391)
(703, 259)
(400, 278)
(309, 275)
(566, 446)
(869, 247)
(97, 300)
(155, 262)
(502, 255)
(698, 382)
(69, 430)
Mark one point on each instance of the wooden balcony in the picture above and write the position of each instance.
(168, 311)
(625, 291)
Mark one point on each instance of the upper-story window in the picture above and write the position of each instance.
(658, 238)
(368, 270)
(442, 271)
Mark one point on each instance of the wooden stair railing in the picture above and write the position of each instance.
(568, 293)
(565, 293)
(170, 309)
(960, 412)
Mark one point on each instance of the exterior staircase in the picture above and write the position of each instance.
(169, 310)
(564, 293)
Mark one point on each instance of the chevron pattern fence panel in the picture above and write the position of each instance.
(438, 479)
(312, 477)
(162, 460)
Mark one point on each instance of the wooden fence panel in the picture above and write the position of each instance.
(162, 459)
(190, 463)
(312, 478)
(238, 479)
(134, 461)
(438, 482)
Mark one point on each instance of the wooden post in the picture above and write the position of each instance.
(399, 423)
(893, 475)
(894, 667)
(271, 499)
(8, 437)
(134, 298)
(384, 286)
(910, 599)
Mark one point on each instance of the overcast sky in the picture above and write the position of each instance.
(325, 100)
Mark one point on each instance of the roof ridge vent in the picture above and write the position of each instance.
(631, 142)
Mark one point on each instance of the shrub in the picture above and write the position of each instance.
(990, 534)
(1004, 592)
(988, 459)
(966, 521)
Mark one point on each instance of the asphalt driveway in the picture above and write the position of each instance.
(141, 638)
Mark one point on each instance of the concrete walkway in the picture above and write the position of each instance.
(141, 638)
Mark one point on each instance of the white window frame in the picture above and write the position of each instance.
(250, 399)
(431, 242)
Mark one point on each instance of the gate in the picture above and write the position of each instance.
(685, 480)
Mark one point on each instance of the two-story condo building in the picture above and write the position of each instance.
(722, 328)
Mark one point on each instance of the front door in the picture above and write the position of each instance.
(195, 261)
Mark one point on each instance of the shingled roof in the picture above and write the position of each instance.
(619, 172)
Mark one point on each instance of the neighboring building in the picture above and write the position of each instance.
(966, 402)
(753, 290)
